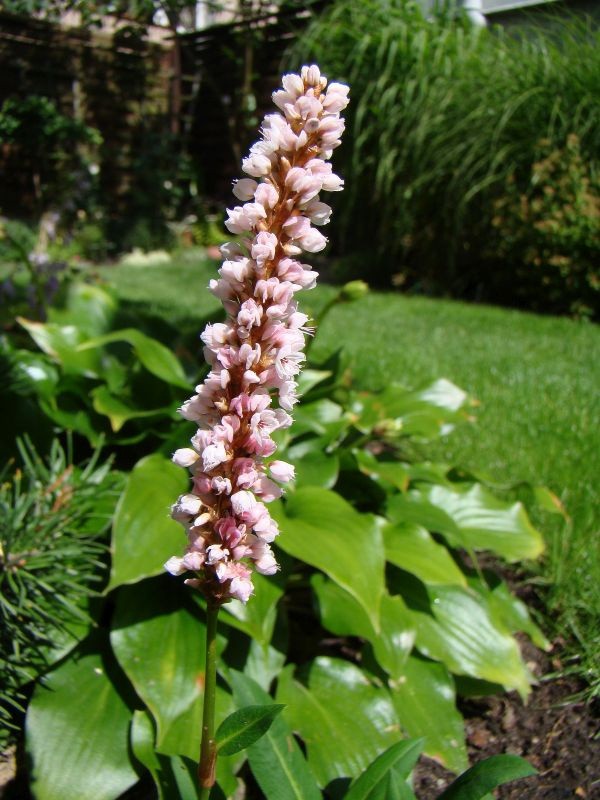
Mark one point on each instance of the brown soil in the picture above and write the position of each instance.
(554, 731)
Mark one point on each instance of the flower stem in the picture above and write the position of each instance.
(208, 748)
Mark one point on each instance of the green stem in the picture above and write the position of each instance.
(208, 747)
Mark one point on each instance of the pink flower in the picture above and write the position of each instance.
(256, 354)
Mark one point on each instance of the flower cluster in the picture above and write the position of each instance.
(257, 353)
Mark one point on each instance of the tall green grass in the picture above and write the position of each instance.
(443, 114)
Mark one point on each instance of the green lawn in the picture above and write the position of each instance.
(536, 379)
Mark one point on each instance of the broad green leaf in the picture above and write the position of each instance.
(460, 632)
(309, 378)
(256, 618)
(118, 411)
(323, 530)
(508, 610)
(472, 517)
(61, 342)
(244, 727)
(40, 373)
(89, 308)
(400, 757)
(159, 642)
(394, 472)
(172, 776)
(315, 469)
(317, 417)
(424, 698)
(477, 782)
(77, 732)
(264, 663)
(276, 760)
(78, 420)
(157, 359)
(342, 614)
(144, 536)
(427, 412)
(412, 548)
(343, 718)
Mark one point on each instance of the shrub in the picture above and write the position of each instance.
(548, 229)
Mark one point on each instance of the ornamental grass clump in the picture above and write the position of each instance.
(256, 354)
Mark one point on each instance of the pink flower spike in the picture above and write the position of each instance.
(257, 352)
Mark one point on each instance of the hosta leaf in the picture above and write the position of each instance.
(61, 343)
(276, 760)
(424, 698)
(315, 469)
(309, 378)
(157, 358)
(394, 472)
(427, 412)
(477, 782)
(400, 757)
(159, 642)
(341, 614)
(144, 536)
(257, 618)
(78, 731)
(39, 372)
(244, 727)
(507, 609)
(170, 775)
(90, 308)
(323, 530)
(411, 548)
(344, 720)
(117, 410)
(472, 517)
(460, 632)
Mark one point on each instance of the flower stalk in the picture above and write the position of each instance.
(255, 356)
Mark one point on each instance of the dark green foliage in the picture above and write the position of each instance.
(52, 560)
(443, 114)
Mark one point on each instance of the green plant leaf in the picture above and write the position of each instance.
(507, 609)
(477, 782)
(323, 530)
(144, 536)
(158, 640)
(457, 629)
(344, 719)
(412, 548)
(244, 727)
(424, 699)
(61, 342)
(343, 615)
(400, 757)
(315, 469)
(78, 731)
(276, 760)
(309, 378)
(171, 775)
(394, 472)
(40, 373)
(89, 308)
(157, 359)
(118, 411)
(257, 618)
(320, 417)
(471, 517)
